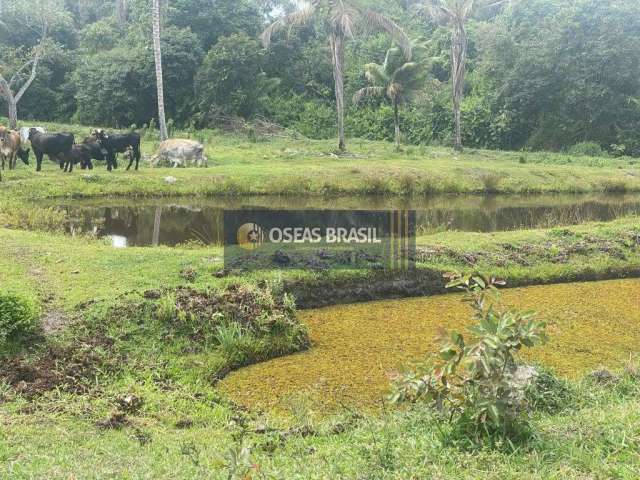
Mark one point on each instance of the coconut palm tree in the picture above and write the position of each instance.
(157, 51)
(340, 17)
(397, 80)
(455, 14)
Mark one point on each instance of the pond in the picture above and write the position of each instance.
(150, 222)
(356, 349)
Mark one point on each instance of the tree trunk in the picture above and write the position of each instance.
(458, 63)
(121, 11)
(396, 122)
(337, 53)
(158, 59)
(13, 113)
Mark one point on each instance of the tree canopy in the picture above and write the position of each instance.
(541, 74)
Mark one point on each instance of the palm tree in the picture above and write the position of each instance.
(455, 14)
(397, 80)
(340, 18)
(155, 13)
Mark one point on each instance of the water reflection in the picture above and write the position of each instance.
(156, 222)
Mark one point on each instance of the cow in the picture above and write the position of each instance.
(81, 154)
(180, 153)
(115, 143)
(51, 144)
(11, 148)
(24, 133)
(95, 150)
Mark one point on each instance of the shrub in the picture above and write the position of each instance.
(18, 315)
(586, 149)
(548, 393)
(474, 384)
(491, 182)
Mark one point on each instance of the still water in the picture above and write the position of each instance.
(134, 222)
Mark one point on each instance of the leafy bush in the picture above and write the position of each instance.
(587, 149)
(475, 384)
(18, 315)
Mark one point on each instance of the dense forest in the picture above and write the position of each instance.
(541, 74)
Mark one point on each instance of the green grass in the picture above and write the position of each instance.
(306, 167)
(597, 436)
(121, 344)
(69, 272)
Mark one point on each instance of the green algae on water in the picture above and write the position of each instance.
(358, 348)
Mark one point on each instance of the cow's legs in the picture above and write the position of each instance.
(138, 156)
(39, 156)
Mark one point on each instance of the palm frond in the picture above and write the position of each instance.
(343, 17)
(410, 75)
(368, 92)
(379, 21)
(393, 59)
(437, 10)
(376, 74)
(289, 22)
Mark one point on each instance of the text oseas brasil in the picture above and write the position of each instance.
(324, 235)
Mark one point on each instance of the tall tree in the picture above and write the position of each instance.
(397, 80)
(122, 11)
(455, 14)
(157, 51)
(13, 90)
(339, 17)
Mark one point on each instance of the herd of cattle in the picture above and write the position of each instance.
(62, 149)
(99, 145)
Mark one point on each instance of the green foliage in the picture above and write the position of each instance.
(586, 149)
(549, 393)
(474, 383)
(524, 89)
(230, 80)
(18, 315)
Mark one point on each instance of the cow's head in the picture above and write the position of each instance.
(100, 134)
(32, 133)
(24, 155)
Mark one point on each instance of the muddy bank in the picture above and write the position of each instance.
(356, 348)
(421, 283)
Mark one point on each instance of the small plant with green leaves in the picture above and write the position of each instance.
(18, 315)
(474, 383)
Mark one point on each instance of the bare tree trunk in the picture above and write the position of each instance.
(458, 64)
(6, 87)
(158, 59)
(337, 53)
(396, 122)
(122, 11)
(13, 113)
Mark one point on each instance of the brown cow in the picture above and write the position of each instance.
(10, 148)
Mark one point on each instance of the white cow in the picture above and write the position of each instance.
(24, 133)
(179, 153)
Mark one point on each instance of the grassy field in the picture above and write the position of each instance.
(120, 378)
(306, 167)
(69, 272)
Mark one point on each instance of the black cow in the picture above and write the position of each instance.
(115, 143)
(96, 151)
(53, 145)
(80, 154)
